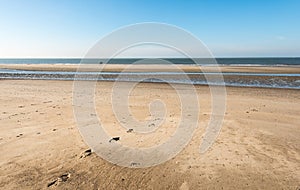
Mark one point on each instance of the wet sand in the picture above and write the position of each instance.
(41, 147)
(150, 68)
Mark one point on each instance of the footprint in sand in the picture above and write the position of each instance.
(47, 102)
(86, 153)
(62, 178)
(114, 139)
(151, 125)
(129, 131)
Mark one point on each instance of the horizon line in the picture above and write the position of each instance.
(219, 57)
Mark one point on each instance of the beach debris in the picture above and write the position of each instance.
(19, 135)
(21, 106)
(62, 178)
(54, 129)
(129, 131)
(86, 153)
(254, 110)
(114, 139)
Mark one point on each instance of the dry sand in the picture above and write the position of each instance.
(258, 147)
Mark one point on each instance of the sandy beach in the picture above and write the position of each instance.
(41, 147)
(149, 95)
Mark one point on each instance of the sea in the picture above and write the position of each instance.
(241, 79)
(264, 61)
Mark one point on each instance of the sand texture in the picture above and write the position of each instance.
(41, 147)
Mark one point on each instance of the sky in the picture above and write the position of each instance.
(69, 28)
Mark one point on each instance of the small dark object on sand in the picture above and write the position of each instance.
(114, 139)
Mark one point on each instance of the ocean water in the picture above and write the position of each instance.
(265, 80)
(222, 61)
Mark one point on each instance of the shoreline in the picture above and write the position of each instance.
(150, 68)
(151, 82)
(277, 77)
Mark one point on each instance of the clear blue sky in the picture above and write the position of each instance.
(68, 28)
